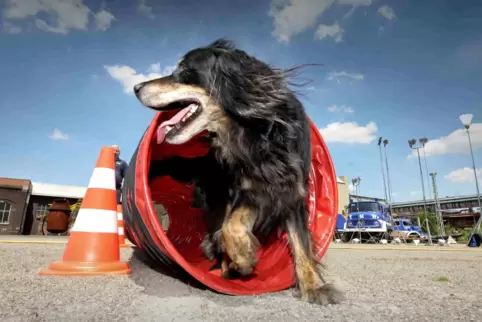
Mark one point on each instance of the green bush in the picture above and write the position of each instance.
(432, 223)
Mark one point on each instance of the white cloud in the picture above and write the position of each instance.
(387, 12)
(154, 68)
(144, 9)
(349, 132)
(341, 108)
(455, 142)
(336, 76)
(65, 14)
(291, 17)
(355, 4)
(10, 28)
(58, 135)
(351, 188)
(334, 31)
(464, 175)
(128, 76)
(103, 20)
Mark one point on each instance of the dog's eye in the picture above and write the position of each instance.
(183, 70)
(189, 76)
(179, 71)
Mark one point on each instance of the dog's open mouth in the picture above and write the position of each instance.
(179, 115)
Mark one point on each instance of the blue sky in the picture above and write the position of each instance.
(397, 69)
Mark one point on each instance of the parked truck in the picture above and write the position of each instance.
(372, 221)
(368, 220)
(405, 229)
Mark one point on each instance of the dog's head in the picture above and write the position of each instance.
(214, 88)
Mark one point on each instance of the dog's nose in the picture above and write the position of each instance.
(138, 87)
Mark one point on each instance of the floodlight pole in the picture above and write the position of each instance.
(385, 142)
(356, 184)
(411, 143)
(388, 199)
(438, 209)
(479, 222)
(383, 172)
(423, 142)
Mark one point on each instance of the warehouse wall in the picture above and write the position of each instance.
(343, 194)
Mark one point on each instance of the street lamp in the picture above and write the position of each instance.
(466, 120)
(389, 199)
(423, 142)
(356, 182)
(411, 144)
(383, 172)
(385, 142)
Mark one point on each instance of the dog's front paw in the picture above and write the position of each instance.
(324, 295)
(241, 250)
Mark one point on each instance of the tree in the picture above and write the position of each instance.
(432, 223)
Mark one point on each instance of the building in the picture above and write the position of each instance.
(343, 193)
(459, 212)
(14, 201)
(24, 204)
(411, 208)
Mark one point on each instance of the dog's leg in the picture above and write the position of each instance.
(214, 195)
(310, 274)
(238, 241)
(214, 215)
(211, 244)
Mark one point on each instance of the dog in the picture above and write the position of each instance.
(254, 179)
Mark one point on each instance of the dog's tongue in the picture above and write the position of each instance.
(161, 130)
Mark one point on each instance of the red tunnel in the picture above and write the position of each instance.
(180, 244)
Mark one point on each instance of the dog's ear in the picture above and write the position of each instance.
(250, 91)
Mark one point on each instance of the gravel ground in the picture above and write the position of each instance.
(380, 286)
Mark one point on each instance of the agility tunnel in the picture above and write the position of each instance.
(177, 247)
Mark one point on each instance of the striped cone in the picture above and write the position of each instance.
(93, 246)
(120, 228)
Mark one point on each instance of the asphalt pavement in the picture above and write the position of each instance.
(398, 285)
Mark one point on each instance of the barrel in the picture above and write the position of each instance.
(176, 247)
(58, 217)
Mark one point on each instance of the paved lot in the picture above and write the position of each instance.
(381, 285)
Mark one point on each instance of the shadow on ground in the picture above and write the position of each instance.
(160, 281)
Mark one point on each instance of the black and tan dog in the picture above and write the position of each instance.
(255, 178)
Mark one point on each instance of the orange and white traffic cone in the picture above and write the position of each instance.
(120, 228)
(93, 246)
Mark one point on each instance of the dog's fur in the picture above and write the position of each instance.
(254, 180)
